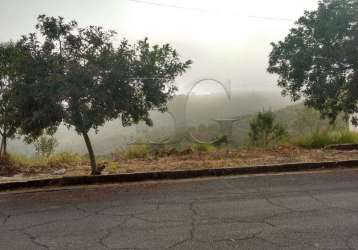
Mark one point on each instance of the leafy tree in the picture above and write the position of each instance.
(8, 124)
(45, 146)
(264, 131)
(318, 60)
(77, 76)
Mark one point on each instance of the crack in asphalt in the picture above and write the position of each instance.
(108, 233)
(194, 220)
(6, 219)
(35, 240)
(192, 228)
(325, 204)
(270, 242)
(49, 223)
(267, 199)
(234, 240)
(10, 216)
(129, 248)
(156, 221)
(102, 212)
(193, 216)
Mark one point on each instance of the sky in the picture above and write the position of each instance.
(222, 37)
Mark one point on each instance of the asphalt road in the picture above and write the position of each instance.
(293, 211)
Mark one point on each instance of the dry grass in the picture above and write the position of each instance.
(190, 159)
(234, 158)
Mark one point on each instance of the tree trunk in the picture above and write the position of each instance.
(347, 120)
(91, 154)
(4, 137)
(1, 147)
(4, 146)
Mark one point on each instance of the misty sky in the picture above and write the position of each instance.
(223, 42)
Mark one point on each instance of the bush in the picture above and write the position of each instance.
(322, 139)
(64, 158)
(264, 131)
(112, 167)
(61, 159)
(137, 152)
(25, 161)
(7, 167)
(202, 147)
(45, 146)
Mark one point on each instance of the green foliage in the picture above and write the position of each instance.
(321, 139)
(45, 146)
(318, 59)
(223, 140)
(77, 76)
(264, 131)
(63, 159)
(203, 147)
(112, 167)
(9, 55)
(137, 152)
(308, 121)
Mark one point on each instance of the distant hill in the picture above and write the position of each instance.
(201, 110)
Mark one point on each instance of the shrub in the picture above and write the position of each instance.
(137, 152)
(202, 147)
(61, 159)
(7, 167)
(112, 167)
(322, 139)
(26, 161)
(45, 146)
(264, 131)
(64, 158)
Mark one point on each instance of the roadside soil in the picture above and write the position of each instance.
(182, 161)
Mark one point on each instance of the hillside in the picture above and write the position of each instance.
(201, 110)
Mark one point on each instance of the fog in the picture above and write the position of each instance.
(201, 110)
(228, 40)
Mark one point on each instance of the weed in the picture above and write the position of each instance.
(64, 158)
(112, 167)
(136, 152)
(203, 147)
(58, 160)
(321, 139)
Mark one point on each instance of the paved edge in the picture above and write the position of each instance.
(175, 175)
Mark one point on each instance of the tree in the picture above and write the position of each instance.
(8, 123)
(264, 131)
(318, 60)
(77, 76)
(45, 146)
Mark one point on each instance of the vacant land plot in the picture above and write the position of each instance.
(218, 158)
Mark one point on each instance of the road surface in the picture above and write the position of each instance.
(292, 211)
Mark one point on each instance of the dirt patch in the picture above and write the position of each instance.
(7, 169)
(235, 158)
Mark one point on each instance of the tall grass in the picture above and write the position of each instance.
(322, 139)
(136, 152)
(202, 147)
(58, 160)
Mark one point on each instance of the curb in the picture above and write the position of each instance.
(175, 175)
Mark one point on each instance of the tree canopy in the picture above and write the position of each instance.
(80, 77)
(318, 60)
(8, 122)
